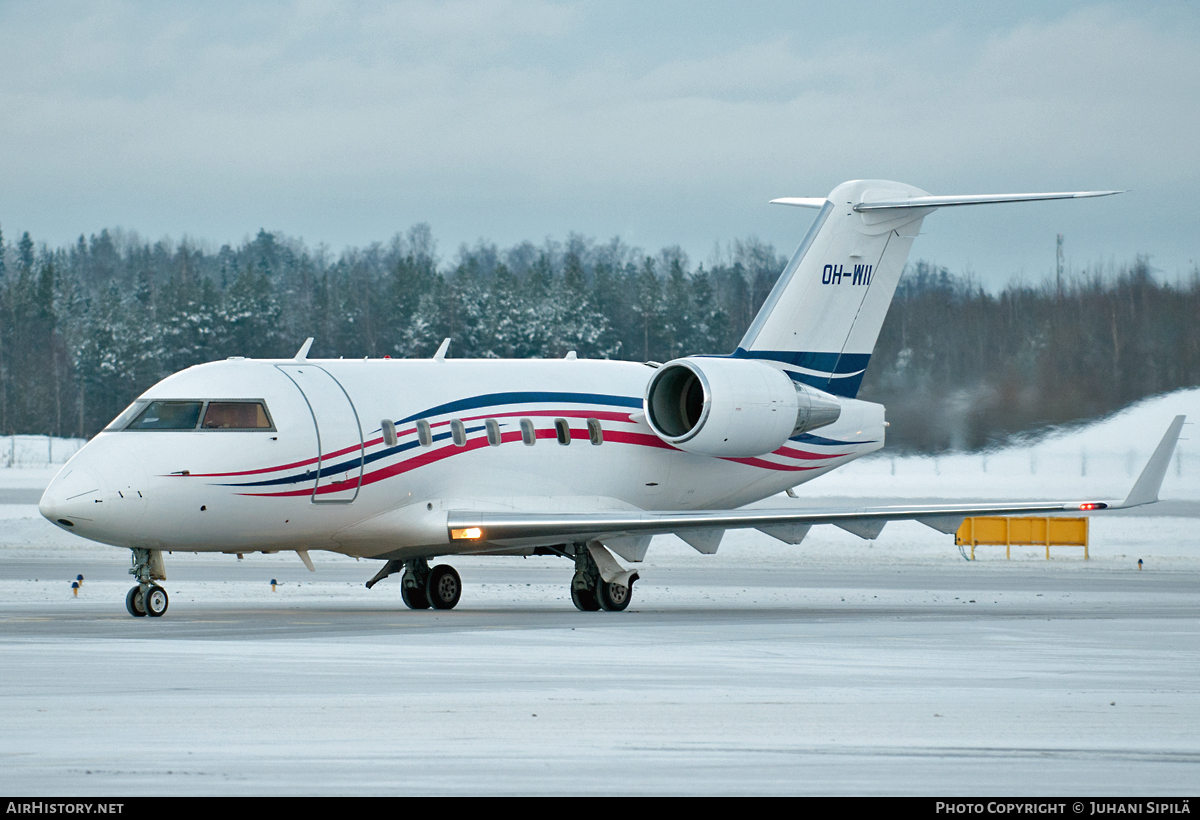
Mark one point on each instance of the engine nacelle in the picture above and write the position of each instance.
(732, 408)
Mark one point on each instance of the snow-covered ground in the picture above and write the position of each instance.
(34, 453)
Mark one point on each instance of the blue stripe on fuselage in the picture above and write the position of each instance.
(845, 370)
(497, 399)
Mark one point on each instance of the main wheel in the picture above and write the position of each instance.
(583, 598)
(444, 587)
(413, 593)
(613, 597)
(156, 601)
(134, 604)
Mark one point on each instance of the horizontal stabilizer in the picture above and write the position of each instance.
(972, 199)
(801, 201)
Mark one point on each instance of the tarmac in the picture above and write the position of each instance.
(839, 667)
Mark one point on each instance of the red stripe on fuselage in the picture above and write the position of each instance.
(614, 436)
(606, 416)
(790, 453)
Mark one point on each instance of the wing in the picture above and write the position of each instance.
(701, 527)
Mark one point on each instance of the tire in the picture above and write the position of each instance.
(613, 597)
(412, 592)
(583, 598)
(443, 588)
(133, 603)
(156, 601)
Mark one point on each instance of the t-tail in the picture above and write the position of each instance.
(822, 318)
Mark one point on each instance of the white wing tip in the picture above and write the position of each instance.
(801, 201)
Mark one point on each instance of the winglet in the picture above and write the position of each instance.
(302, 353)
(1145, 491)
(440, 356)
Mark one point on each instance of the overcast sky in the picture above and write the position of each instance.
(662, 122)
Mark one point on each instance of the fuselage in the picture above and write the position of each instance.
(320, 473)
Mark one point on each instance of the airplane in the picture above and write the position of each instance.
(405, 460)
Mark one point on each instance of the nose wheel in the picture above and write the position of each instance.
(135, 603)
(147, 598)
(151, 600)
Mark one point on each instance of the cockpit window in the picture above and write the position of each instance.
(235, 415)
(168, 415)
(126, 415)
(195, 414)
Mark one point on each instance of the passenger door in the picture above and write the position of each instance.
(339, 433)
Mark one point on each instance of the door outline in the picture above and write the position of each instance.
(317, 427)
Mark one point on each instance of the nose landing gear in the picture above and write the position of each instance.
(147, 598)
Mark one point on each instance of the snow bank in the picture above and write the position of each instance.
(1101, 459)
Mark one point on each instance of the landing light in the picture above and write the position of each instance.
(466, 534)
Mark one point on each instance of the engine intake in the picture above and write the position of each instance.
(732, 407)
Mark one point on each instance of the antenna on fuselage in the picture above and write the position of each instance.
(440, 356)
(302, 353)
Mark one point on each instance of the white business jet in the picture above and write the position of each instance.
(405, 460)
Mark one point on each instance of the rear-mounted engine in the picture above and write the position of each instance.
(732, 408)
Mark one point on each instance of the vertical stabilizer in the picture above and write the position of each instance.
(822, 318)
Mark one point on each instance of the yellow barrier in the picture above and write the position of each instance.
(1051, 532)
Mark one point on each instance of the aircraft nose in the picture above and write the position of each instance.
(104, 505)
(75, 495)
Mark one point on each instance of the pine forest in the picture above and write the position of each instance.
(85, 328)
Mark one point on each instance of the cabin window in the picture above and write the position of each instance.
(563, 431)
(493, 432)
(168, 415)
(424, 434)
(595, 431)
(235, 415)
(389, 432)
(528, 434)
(458, 433)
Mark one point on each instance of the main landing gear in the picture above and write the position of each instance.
(441, 587)
(589, 590)
(147, 598)
(422, 587)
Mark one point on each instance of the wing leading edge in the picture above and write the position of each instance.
(518, 529)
